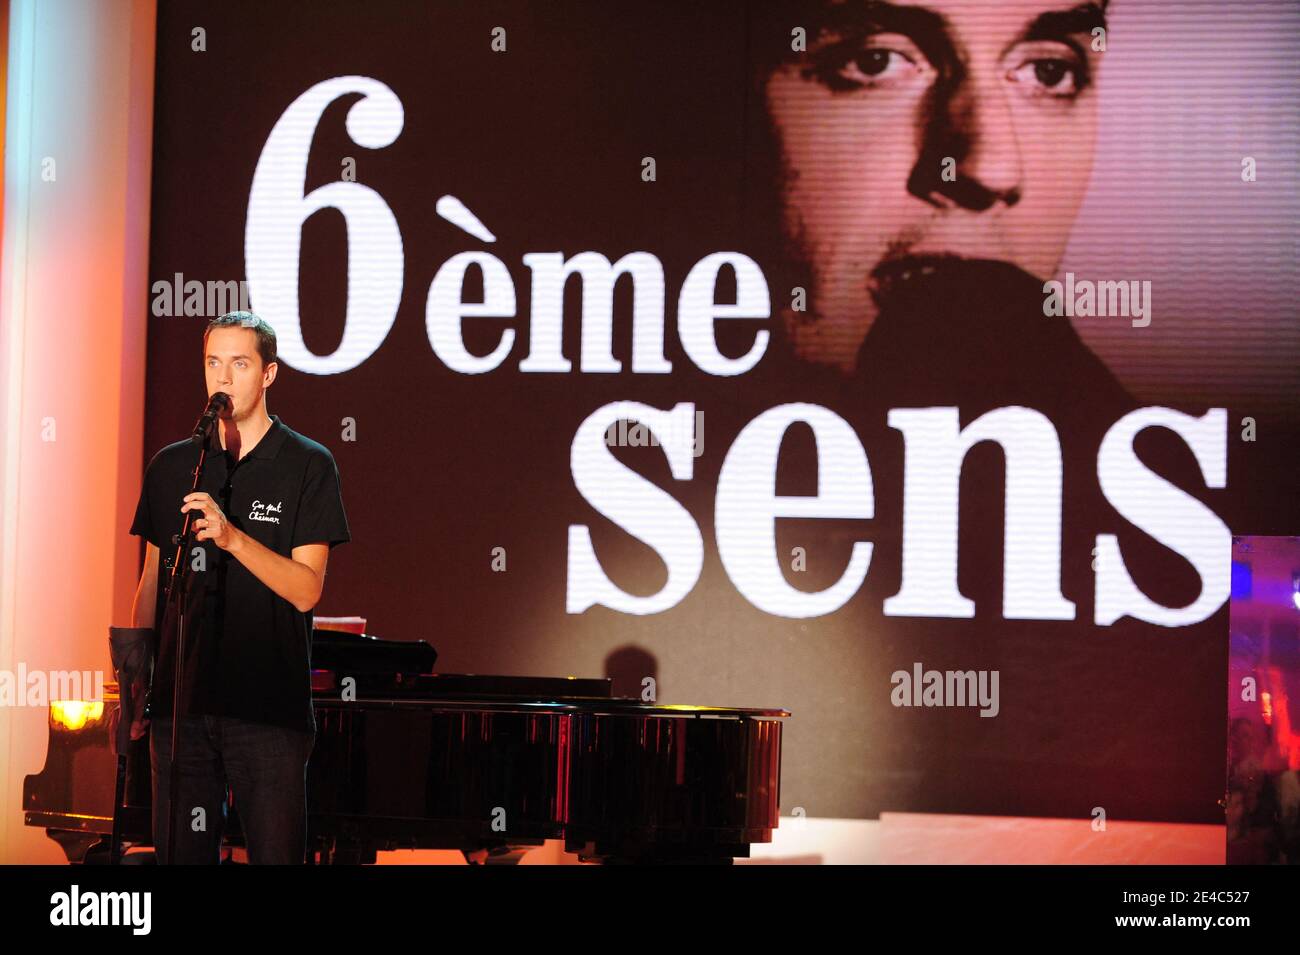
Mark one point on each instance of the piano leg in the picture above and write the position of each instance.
(81, 848)
(339, 852)
(497, 855)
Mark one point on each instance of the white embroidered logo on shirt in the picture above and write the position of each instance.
(264, 512)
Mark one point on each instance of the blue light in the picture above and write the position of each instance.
(1241, 580)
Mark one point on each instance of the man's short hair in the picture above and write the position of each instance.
(265, 333)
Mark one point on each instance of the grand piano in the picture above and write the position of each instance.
(492, 766)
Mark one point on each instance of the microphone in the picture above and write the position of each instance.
(216, 404)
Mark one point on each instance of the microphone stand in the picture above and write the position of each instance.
(178, 591)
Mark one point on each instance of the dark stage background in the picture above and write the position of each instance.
(544, 144)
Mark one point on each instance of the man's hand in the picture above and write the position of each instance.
(298, 579)
(213, 525)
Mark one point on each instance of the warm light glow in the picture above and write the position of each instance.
(74, 714)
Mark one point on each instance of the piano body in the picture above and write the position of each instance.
(406, 758)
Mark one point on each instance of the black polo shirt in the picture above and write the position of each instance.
(248, 651)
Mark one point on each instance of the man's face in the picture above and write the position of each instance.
(232, 364)
(947, 128)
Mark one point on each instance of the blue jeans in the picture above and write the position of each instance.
(265, 766)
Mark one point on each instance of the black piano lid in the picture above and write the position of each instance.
(588, 706)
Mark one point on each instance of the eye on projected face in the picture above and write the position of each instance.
(942, 128)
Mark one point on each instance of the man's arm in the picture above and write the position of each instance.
(143, 612)
(299, 579)
(146, 593)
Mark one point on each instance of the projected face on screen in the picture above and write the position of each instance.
(944, 128)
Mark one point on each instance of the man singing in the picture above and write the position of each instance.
(265, 519)
(944, 147)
